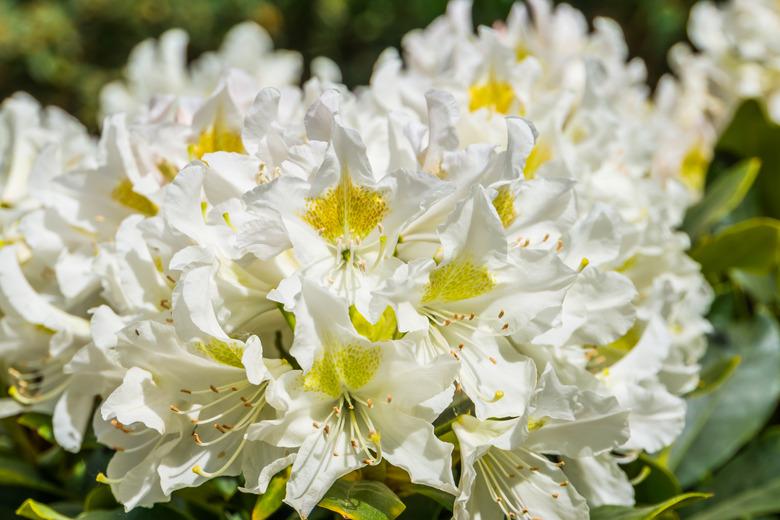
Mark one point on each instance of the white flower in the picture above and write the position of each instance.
(504, 469)
(358, 403)
(180, 413)
(478, 294)
(739, 43)
(157, 72)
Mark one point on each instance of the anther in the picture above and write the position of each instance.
(316, 425)
(492, 360)
(389, 398)
(213, 389)
(564, 483)
(501, 314)
(197, 438)
(370, 403)
(174, 409)
(119, 426)
(505, 327)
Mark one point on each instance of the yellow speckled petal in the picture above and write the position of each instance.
(346, 210)
(505, 206)
(345, 367)
(124, 195)
(223, 352)
(458, 280)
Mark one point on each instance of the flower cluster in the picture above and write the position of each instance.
(476, 251)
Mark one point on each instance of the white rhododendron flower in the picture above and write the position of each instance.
(739, 50)
(469, 269)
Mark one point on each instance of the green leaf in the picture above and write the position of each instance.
(761, 287)
(751, 134)
(362, 500)
(386, 327)
(724, 195)
(715, 374)
(37, 511)
(140, 513)
(752, 245)
(657, 482)
(719, 423)
(270, 501)
(40, 424)
(442, 498)
(100, 498)
(645, 512)
(21, 474)
(749, 484)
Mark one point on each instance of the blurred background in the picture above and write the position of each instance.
(63, 51)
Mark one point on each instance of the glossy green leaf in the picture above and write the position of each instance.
(270, 501)
(719, 423)
(752, 245)
(715, 374)
(37, 511)
(362, 500)
(724, 195)
(645, 512)
(747, 485)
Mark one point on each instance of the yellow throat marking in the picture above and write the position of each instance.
(492, 94)
(346, 211)
(127, 197)
(457, 280)
(344, 367)
(505, 206)
(216, 139)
